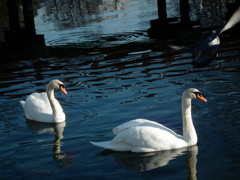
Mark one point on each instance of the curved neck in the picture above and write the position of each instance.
(51, 98)
(189, 132)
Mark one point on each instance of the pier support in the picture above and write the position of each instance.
(165, 27)
(16, 36)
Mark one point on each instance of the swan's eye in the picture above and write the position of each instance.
(197, 93)
(200, 96)
(62, 88)
(61, 85)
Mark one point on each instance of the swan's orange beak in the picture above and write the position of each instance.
(199, 96)
(63, 89)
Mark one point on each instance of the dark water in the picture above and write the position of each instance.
(106, 90)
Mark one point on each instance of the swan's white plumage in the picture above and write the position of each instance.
(143, 138)
(37, 106)
(138, 122)
(143, 135)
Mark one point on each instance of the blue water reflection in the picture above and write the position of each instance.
(86, 22)
(104, 95)
(107, 88)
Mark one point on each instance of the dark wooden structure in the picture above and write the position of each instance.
(19, 37)
(164, 27)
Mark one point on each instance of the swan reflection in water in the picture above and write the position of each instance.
(57, 130)
(153, 160)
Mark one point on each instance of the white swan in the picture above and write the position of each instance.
(142, 135)
(43, 107)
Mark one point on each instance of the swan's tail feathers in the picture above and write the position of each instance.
(105, 144)
(22, 103)
(111, 146)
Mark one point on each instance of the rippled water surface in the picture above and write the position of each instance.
(85, 22)
(109, 91)
(106, 89)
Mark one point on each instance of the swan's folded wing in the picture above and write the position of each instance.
(38, 102)
(37, 106)
(134, 123)
(147, 139)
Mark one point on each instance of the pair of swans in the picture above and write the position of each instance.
(139, 135)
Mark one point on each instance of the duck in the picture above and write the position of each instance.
(142, 135)
(210, 46)
(44, 107)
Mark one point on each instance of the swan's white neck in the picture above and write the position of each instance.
(189, 133)
(52, 100)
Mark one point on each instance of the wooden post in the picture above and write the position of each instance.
(184, 11)
(28, 16)
(13, 14)
(162, 7)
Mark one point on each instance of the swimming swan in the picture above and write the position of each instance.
(43, 107)
(143, 135)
